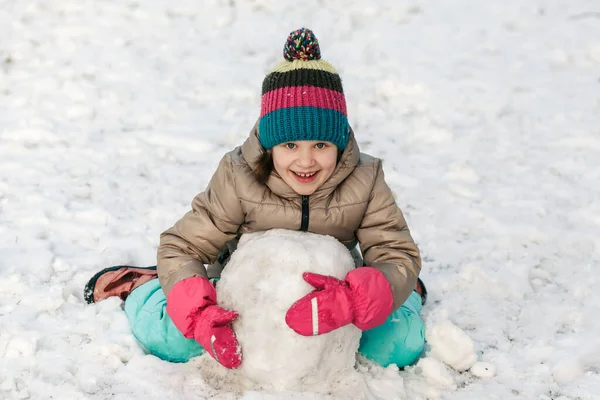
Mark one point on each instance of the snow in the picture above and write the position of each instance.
(261, 282)
(483, 370)
(451, 345)
(114, 114)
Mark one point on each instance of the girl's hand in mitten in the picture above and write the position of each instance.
(191, 304)
(364, 298)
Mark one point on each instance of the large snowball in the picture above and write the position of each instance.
(261, 281)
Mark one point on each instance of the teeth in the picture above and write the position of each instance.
(305, 175)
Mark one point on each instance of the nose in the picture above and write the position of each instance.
(306, 158)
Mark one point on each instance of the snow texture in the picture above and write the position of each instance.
(452, 346)
(114, 114)
(261, 282)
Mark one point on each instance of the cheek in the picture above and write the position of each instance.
(331, 160)
(277, 167)
(328, 164)
(279, 163)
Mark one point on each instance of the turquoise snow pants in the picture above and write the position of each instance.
(400, 340)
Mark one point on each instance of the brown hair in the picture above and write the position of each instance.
(264, 166)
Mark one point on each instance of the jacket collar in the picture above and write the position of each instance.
(251, 150)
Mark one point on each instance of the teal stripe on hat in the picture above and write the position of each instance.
(304, 123)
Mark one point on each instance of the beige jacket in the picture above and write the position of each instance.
(353, 205)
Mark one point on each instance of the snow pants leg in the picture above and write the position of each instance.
(400, 340)
(146, 309)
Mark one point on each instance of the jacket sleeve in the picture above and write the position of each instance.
(197, 238)
(386, 243)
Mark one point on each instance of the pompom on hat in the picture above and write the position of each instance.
(302, 97)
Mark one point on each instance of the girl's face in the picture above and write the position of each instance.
(305, 165)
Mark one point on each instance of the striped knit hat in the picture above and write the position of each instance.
(302, 97)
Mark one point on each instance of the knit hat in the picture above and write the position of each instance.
(302, 97)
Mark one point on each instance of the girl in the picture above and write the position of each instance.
(300, 168)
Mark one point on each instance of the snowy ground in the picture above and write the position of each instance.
(113, 114)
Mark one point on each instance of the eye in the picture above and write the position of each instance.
(321, 145)
(290, 146)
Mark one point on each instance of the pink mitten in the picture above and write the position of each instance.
(364, 298)
(191, 304)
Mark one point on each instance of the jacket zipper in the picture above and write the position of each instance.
(304, 221)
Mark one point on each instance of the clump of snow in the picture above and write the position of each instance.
(451, 345)
(437, 372)
(575, 364)
(262, 280)
(483, 370)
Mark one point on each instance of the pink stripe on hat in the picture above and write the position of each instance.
(302, 96)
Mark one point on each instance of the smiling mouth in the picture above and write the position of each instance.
(308, 175)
